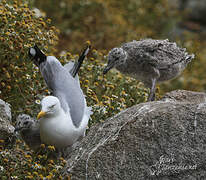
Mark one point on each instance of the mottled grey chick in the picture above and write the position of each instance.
(29, 131)
(149, 61)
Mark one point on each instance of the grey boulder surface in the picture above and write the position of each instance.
(185, 96)
(161, 140)
(6, 128)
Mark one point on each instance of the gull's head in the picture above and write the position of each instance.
(50, 107)
(116, 57)
(23, 122)
(37, 55)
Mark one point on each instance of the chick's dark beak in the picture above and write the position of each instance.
(108, 67)
(17, 129)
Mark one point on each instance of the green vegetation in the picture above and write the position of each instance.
(21, 163)
(107, 23)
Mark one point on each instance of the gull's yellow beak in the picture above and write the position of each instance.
(41, 114)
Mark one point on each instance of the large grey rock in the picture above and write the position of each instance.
(185, 96)
(163, 140)
(6, 129)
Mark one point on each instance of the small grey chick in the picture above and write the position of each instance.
(29, 131)
(149, 61)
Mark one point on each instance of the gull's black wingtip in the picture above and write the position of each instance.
(87, 49)
(33, 51)
(36, 55)
(80, 60)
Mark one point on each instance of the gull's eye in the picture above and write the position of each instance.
(51, 106)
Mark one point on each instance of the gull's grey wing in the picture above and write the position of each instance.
(70, 66)
(65, 87)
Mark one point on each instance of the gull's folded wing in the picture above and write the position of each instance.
(65, 87)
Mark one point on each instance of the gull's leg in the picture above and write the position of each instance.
(152, 90)
(155, 75)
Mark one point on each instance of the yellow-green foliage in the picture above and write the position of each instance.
(21, 29)
(107, 23)
(20, 163)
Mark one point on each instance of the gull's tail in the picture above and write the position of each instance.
(189, 58)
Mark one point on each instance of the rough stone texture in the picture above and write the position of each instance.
(185, 96)
(6, 129)
(163, 140)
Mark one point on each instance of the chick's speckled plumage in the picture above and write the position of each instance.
(149, 61)
(29, 130)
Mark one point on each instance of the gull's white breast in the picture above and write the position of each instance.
(60, 131)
